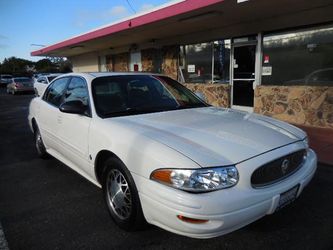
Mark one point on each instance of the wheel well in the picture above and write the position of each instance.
(101, 157)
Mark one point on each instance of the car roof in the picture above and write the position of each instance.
(54, 74)
(17, 78)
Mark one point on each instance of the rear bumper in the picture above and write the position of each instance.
(26, 89)
(226, 210)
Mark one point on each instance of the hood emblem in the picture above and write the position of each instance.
(285, 166)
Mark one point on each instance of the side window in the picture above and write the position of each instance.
(41, 80)
(77, 90)
(53, 94)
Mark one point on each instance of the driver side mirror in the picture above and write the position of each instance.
(73, 107)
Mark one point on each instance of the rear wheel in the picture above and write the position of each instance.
(39, 144)
(121, 196)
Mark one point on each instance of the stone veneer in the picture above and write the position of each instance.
(121, 62)
(147, 60)
(303, 105)
(170, 61)
(215, 94)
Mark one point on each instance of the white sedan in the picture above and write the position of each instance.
(42, 81)
(163, 156)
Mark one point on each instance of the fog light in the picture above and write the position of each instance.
(191, 220)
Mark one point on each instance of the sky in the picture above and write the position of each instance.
(45, 22)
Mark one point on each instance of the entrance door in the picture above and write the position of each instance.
(243, 76)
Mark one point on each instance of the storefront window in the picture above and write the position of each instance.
(303, 57)
(198, 63)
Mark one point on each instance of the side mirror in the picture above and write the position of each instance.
(73, 107)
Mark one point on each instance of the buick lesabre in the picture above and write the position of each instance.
(162, 155)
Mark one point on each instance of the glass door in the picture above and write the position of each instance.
(243, 76)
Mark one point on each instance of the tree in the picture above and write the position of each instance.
(15, 66)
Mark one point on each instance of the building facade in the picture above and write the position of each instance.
(270, 57)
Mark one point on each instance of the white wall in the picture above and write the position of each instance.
(85, 63)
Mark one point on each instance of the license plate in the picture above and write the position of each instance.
(287, 197)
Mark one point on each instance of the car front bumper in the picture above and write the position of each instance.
(226, 210)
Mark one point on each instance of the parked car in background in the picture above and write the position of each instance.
(164, 156)
(5, 79)
(19, 85)
(42, 81)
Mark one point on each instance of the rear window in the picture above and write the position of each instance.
(22, 80)
(50, 78)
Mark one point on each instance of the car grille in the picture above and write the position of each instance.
(278, 169)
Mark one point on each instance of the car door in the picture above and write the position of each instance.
(74, 128)
(48, 119)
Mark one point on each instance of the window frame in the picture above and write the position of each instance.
(89, 110)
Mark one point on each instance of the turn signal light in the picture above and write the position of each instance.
(162, 175)
(191, 220)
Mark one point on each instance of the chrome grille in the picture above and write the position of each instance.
(278, 169)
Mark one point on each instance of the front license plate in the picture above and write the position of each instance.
(287, 197)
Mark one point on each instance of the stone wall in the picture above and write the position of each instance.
(109, 63)
(147, 60)
(215, 94)
(121, 62)
(170, 61)
(310, 106)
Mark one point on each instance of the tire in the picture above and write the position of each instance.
(39, 144)
(124, 206)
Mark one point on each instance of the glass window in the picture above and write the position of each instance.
(42, 80)
(77, 91)
(222, 61)
(50, 78)
(138, 94)
(302, 57)
(54, 92)
(198, 63)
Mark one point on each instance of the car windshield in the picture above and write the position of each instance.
(138, 94)
(23, 80)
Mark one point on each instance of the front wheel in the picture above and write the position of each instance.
(121, 196)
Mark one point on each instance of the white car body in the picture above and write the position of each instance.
(186, 139)
(42, 82)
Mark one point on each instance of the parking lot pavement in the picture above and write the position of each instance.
(45, 205)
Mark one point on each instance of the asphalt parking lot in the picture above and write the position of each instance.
(45, 205)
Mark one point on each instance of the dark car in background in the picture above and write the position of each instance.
(5, 79)
(19, 85)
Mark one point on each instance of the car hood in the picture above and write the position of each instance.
(214, 136)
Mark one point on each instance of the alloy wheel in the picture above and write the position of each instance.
(119, 194)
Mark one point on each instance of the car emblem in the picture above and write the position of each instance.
(285, 166)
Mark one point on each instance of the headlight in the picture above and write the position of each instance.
(197, 180)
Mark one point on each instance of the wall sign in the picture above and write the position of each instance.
(191, 68)
(267, 70)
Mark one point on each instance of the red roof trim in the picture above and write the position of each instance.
(170, 11)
